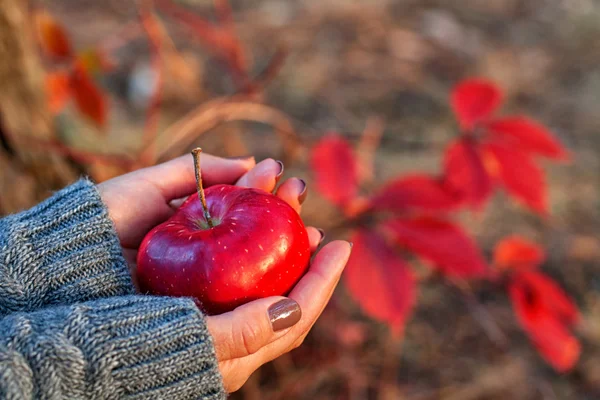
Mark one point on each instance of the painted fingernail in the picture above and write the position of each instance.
(322, 232)
(303, 192)
(280, 173)
(284, 314)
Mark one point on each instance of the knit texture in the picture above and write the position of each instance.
(70, 327)
(62, 251)
(131, 347)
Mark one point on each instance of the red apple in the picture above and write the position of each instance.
(246, 244)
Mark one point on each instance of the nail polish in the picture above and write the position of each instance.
(322, 232)
(303, 192)
(284, 314)
(280, 173)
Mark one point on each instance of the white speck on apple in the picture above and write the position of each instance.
(260, 247)
(246, 250)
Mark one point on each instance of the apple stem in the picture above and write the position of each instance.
(196, 153)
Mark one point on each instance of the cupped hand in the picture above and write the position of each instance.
(259, 331)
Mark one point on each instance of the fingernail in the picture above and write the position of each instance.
(351, 244)
(322, 232)
(284, 314)
(280, 173)
(303, 192)
(242, 158)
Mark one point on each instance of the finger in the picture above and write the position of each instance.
(315, 237)
(293, 191)
(312, 293)
(176, 178)
(264, 175)
(176, 203)
(250, 327)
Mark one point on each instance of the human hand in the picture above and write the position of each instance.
(244, 338)
(262, 330)
(140, 200)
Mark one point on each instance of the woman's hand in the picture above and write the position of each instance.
(254, 333)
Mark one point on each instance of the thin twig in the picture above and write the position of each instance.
(155, 38)
(215, 112)
(367, 146)
(484, 318)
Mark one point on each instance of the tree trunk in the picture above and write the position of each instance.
(26, 120)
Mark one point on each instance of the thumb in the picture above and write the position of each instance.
(252, 326)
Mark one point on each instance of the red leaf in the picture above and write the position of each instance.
(335, 169)
(58, 91)
(380, 281)
(440, 242)
(529, 136)
(414, 192)
(520, 176)
(465, 172)
(52, 36)
(518, 252)
(532, 295)
(552, 296)
(88, 97)
(95, 61)
(474, 100)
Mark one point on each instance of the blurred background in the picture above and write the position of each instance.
(346, 62)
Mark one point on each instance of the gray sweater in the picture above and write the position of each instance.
(71, 326)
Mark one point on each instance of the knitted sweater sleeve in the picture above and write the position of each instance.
(70, 326)
(130, 347)
(63, 251)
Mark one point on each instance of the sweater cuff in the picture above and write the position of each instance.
(160, 348)
(67, 250)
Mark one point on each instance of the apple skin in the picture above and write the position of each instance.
(258, 247)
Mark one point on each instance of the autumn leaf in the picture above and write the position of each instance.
(94, 61)
(58, 91)
(414, 192)
(380, 281)
(465, 172)
(88, 97)
(442, 243)
(521, 177)
(335, 169)
(552, 297)
(474, 100)
(517, 252)
(53, 38)
(545, 313)
(530, 136)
